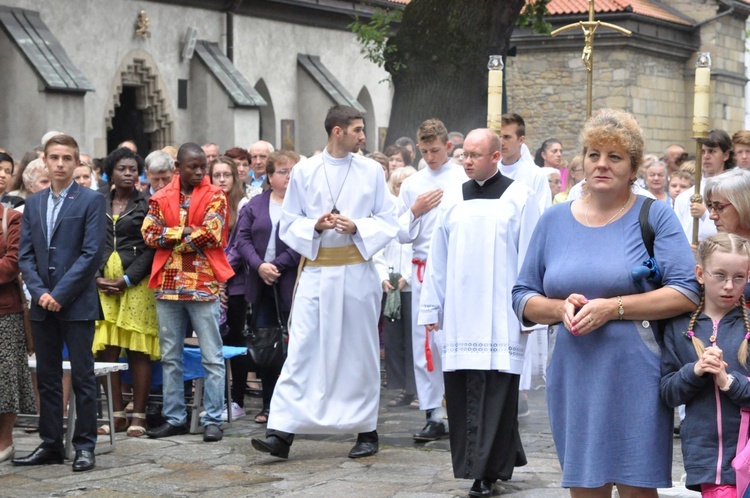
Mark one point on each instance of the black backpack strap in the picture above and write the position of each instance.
(646, 231)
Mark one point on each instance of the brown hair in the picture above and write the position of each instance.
(238, 153)
(237, 192)
(431, 130)
(280, 155)
(742, 137)
(731, 244)
(392, 150)
(65, 140)
(516, 119)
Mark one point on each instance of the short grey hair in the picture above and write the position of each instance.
(159, 162)
(33, 171)
(268, 145)
(734, 186)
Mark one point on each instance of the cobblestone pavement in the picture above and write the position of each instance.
(317, 467)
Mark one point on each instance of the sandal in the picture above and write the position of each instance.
(137, 430)
(254, 388)
(262, 417)
(105, 430)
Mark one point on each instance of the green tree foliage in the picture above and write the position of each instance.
(436, 52)
(534, 15)
(373, 35)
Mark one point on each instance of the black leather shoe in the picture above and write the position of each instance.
(85, 460)
(273, 445)
(41, 456)
(431, 432)
(362, 450)
(481, 488)
(212, 433)
(167, 430)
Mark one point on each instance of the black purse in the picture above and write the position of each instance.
(267, 345)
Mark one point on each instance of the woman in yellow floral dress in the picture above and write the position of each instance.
(128, 305)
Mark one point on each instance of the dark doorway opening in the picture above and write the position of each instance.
(128, 123)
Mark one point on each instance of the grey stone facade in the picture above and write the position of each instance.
(99, 37)
(650, 74)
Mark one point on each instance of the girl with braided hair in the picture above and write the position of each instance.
(704, 365)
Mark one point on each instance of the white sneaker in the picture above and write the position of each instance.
(237, 412)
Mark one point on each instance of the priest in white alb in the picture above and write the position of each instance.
(477, 249)
(337, 214)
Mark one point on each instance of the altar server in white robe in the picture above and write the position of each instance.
(477, 249)
(716, 157)
(437, 185)
(517, 164)
(337, 213)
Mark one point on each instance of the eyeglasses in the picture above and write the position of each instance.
(717, 206)
(720, 278)
(473, 156)
(283, 172)
(221, 175)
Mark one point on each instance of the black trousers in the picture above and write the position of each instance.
(236, 316)
(49, 336)
(482, 408)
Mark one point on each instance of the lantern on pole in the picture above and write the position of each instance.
(700, 124)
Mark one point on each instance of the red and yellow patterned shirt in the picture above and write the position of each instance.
(187, 275)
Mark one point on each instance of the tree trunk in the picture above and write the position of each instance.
(445, 45)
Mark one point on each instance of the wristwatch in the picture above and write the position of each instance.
(620, 309)
(730, 379)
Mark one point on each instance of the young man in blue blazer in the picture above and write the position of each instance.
(62, 243)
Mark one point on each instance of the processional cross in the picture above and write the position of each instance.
(589, 28)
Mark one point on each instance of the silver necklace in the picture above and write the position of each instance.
(586, 213)
(335, 210)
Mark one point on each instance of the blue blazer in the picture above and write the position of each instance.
(251, 242)
(67, 269)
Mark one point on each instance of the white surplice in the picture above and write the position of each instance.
(418, 231)
(525, 171)
(477, 249)
(330, 382)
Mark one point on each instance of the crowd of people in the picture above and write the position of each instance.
(483, 266)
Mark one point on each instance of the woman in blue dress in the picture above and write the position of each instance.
(609, 423)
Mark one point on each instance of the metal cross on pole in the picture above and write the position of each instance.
(589, 28)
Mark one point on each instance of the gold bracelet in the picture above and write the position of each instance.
(620, 309)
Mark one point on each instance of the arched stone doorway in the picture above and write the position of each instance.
(139, 107)
(267, 116)
(371, 129)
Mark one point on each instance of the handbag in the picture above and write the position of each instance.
(741, 462)
(267, 345)
(19, 283)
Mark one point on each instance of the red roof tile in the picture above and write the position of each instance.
(642, 7)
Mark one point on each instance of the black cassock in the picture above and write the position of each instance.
(482, 405)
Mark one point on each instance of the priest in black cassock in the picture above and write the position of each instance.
(476, 252)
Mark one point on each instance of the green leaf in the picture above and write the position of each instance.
(373, 36)
(533, 15)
